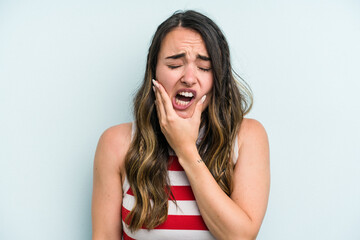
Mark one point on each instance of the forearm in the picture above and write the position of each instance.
(224, 218)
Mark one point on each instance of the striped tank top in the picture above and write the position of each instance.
(184, 221)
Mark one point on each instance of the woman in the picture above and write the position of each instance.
(190, 166)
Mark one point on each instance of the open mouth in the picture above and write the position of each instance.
(183, 99)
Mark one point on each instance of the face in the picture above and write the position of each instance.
(184, 69)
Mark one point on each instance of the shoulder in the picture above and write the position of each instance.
(108, 176)
(113, 146)
(252, 171)
(115, 135)
(252, 132)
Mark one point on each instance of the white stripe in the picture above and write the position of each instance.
(236, 150)
(178, 178)
(133, 129)
(169, 234)
(125, 186)
(183, 207)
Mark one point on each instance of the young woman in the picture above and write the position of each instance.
(190, 166)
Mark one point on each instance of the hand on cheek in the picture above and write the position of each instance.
(180, 133)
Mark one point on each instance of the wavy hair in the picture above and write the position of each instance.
(146, 161)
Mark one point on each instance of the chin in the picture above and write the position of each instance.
(184, 114)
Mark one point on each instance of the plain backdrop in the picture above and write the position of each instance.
(69, 70)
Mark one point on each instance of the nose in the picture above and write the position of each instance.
(189, 76)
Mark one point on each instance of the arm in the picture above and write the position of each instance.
(107, 182)
(235, 217)
(240, 216)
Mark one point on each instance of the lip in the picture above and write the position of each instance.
(181, 107)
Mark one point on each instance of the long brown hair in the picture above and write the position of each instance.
(147, 158)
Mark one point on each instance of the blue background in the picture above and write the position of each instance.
(69, 70)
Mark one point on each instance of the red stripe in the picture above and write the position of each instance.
(181, 193)
(187, 222)
(124, 213)
(178, 222)
(174, 164)
(130, 192)
(126, 237)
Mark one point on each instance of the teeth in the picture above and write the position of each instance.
(186, 94)
(182, 103)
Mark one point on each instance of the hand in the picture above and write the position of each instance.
(180, 133)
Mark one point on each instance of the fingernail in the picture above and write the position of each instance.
(155, 83)
(203, 99)
(153, 88)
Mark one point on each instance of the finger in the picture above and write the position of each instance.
(166, 101)
(198, 108)
(156, 101)
(159, 104)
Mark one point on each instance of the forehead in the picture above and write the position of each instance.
(182, 40)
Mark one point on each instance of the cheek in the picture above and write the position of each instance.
(166, 77)
(209, 90)
(209, 85)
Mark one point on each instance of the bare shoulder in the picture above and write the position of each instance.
(107, 181)
(113, 145)
(252, 170)
(116, 136)
(252, 132)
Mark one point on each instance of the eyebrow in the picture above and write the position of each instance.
(176, 56)
(203, 57)
(181, 55)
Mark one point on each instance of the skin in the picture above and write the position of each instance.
(236, 217)
(189, 71)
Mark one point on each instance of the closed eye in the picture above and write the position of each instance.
(205, 69)
(173, 66)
